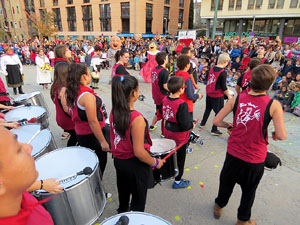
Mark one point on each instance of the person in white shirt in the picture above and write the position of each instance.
(12, 67)
(43, 76)
(51, 57)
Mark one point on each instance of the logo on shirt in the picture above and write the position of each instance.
(117, 138)
(248, 112)
(154, 76)
(211, 79)
(167, 112)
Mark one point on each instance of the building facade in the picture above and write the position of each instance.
(11, 20)
(91, 18)
(268, 18)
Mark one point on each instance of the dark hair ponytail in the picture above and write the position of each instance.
(76, 70)
(120, 53)
(121, 92)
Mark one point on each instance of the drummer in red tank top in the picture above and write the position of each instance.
(86, 112)
(121, 57)
(247, 144)
(243, 81)
(130, 143)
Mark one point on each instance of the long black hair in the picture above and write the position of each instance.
(121, 92)
(120, 53)
(60, 78)
(60, 51)
(76, 70)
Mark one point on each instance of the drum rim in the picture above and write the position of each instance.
(47, 142)
(41, 116)
(134, 212)
(74, 185)
(163, 153)
(25, 99)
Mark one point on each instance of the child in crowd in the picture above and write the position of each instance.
(284, 96)
(82, 56)
(178, 125)
(105, 63)
(296, 68)
(136, 62)
(277, 80)
(295, 106)
(288, 67)
(289, 77)
(141, 59)
(204, 74)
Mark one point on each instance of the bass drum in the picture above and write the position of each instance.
(83, 199)
(136, 218)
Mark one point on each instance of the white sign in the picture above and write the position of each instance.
(187, 34)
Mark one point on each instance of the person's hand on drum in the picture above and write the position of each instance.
(9, 124)
(160, 163)
(105, 146)
(51, 186)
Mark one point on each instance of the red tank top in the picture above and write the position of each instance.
(247, 140)
(3, 92)
(114, 69)
(79, 117)
(156, 93)
(211, 84)
(63, 120)
(122, 148)
(184, 97)
(169, 112)
(245, 82)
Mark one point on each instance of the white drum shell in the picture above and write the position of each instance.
(137, 218)
(79, 204)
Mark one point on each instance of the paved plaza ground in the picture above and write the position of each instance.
(278, 195)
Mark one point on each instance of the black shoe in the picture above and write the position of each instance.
(20, 90)
(15, 91)
(216, 133)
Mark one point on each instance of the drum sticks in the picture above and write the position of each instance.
(172, 152)
(33, 137)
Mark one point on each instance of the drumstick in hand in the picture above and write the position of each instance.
(32, 120)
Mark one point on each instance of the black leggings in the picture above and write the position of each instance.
(132, 179)
(73, 138)
(215, 104)
(181, 155)
(247, 175)
(90, 141)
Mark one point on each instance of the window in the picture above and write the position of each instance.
(251, 4)
(57, 19)
(258, 4)
(125, 10)
(87, 18)
(294, 4)
(86, 1)
(104, 0)
(18, 9)
(280, 4)
(71, 18)
(55, 2)
(20, 24)
(181, 3)
(149, 18)
(42, 14)
(271, 4)
(220, 6)
(166, 19)
(167, 2)
(70, 2)
(238, 5)
(105, 18)
(42, 3)
(180, 19)
(231, 4)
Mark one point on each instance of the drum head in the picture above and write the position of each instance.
(162, 145)
(66, 162)
(27, 112)
(137, 218)
(26, 96)
(39, 143)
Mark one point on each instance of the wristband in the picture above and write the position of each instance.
(155, 164)
(42, 184)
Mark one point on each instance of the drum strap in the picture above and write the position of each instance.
(172, 127)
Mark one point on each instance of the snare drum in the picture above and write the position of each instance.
(83, 199)
(41, 144)
(34, 98)
(136, 218)
(27, 113)
(159, 149)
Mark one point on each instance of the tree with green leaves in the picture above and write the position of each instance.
(45, 25)
(191, 15)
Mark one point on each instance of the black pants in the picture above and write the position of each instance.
(181, 155)
(90, 141)
(132, 180)
(215, 104)
(73, 138)
(247, 175)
